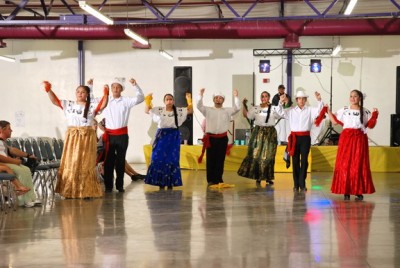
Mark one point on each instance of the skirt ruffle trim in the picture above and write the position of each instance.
(163, 175)
(256, 170)
(73, 184)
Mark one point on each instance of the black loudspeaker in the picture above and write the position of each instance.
(183, 85)
(398, 90)
(395, 130)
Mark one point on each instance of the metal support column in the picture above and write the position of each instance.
(81, 62)
(289, 71)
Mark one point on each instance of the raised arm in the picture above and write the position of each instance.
(236, 101)
(189, 102)
(278, 109)
(199, 104)
(332, 117)
(53, 97)
(139, 92)
(89, 83)
(148, 105)
(104, 101)
(319, 99)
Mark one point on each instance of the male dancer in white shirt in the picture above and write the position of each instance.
(215, 139)
(301, 118)
(116, 138)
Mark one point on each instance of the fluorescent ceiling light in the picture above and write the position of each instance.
(166, 54)
(350, 7)
(5, 58)
(89, 9)
(336, 50)
(136, 37)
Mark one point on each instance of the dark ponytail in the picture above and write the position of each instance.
(85, 113)
(175, 116)
(361, 96)
(268, 113)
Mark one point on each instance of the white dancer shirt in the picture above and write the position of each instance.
(117, 111)
(74, 113)
(218, 119)
(351, 118)
(302, 119)
(166, 119)
(259, 115)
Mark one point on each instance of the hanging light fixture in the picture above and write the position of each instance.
(350, 7)
(89, 9)
(136, 37)
(336, 50)
(5, 58)
(166, 54)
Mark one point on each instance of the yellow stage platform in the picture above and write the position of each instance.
(321, 158)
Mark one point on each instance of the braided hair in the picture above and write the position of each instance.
(269, 106)
(174, 109)
(361, 96)
(87, 105)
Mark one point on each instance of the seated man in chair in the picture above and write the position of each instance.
(11, 157)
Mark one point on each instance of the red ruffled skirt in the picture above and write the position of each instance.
(352, 173)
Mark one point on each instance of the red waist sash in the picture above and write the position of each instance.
(292, 140)
(207, 144)
(106, 140)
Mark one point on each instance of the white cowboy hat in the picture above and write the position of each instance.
(218, 94)
(301, 94)
(119, 80)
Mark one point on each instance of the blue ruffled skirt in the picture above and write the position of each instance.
(164, 168)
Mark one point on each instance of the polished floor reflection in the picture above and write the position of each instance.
(192, 226)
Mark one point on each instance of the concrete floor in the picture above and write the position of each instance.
(192, 226)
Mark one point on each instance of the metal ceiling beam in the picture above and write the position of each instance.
(68, 6)
(18, 8)
(250, 8)
(44, 8)
(299, 51)
(160, 16)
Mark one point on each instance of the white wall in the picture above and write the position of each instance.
(367, 63)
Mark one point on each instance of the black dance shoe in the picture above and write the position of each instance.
(137, 177)
(346, 197)
(121, 190)
(270, 182)
(295, 189)
(170, 187)
(359, 197)
(303, 190)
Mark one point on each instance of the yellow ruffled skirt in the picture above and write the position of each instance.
(77, 176)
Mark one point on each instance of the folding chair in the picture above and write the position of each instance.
(15, 144)
(8, 197)
(57, 149)
(61, 142)
(51, 161)
(42, 171)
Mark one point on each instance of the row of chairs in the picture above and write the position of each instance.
(48, 156)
